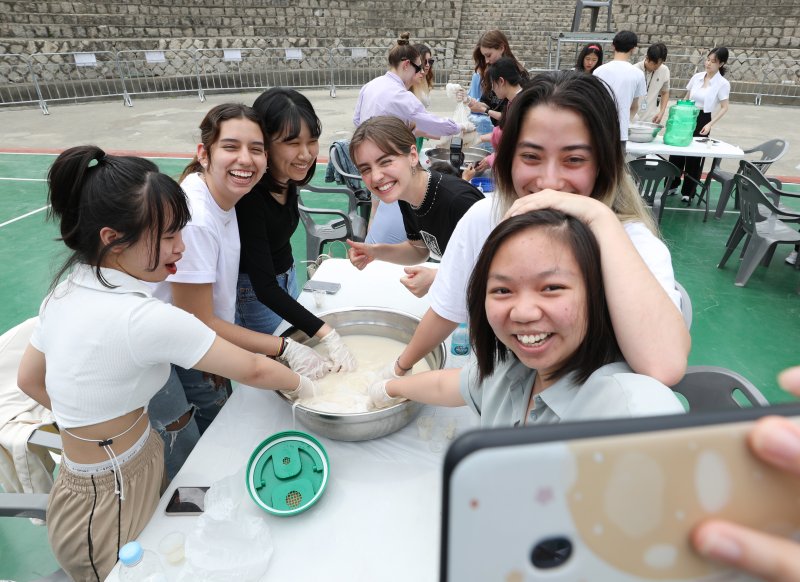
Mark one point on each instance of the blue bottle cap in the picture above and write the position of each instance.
(131, 553)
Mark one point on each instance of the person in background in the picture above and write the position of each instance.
(230, 161)
(625, 81)
(390, 95)
(776, 441)
(507, 83)
(653, 107)
(541, 332)
(709, 90)
(486, 106)
(423, 84)
(431, 203)
(560, 148)
(590, 57)
(268, 216)
(103, 346)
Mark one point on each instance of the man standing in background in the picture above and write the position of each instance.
(626, 81)
(653, 107)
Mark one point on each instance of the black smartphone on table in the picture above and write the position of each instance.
(187, 501)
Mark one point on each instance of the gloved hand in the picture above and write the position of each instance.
(304, 360)
(342, 359)
(305, 389)
(467, 126)
(461, 95)
(388, 373)
(379, 398)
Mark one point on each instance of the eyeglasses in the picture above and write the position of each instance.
(430, 62)
(417, 68)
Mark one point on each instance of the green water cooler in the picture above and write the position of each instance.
(681, 123)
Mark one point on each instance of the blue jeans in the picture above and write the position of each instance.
(253, 314)
(193, 391)
(167, 406)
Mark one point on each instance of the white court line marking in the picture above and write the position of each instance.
(25, 179)
(26, 215)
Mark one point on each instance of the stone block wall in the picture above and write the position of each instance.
(764, 37)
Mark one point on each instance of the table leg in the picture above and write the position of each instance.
(705, 191)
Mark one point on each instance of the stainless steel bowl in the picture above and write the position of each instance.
(471, 155)
(362, 426)
(643, 131)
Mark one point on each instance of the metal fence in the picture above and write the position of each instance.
(42, 78)
(19, 86)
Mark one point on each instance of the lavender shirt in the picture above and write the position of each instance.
(387, 95)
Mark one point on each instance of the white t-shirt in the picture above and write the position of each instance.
(448, 294)
(108, 351)
(212, 250)
(708, 98)
(627, 83)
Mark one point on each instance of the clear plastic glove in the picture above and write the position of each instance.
(378, 397)
(305, 361)
(343, 360)
(461, 95)
(467, 126)
(388, 372)
(305, 389)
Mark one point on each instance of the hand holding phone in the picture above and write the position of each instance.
(187, 501)
(609, 500)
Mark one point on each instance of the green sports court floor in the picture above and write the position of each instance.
(753, 330)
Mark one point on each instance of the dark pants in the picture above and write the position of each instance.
(691, 166)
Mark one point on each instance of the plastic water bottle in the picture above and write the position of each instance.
(139, 565)
(459, 343)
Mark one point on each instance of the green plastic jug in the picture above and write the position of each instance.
(681, 123)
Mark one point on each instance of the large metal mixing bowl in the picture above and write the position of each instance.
(471, 155)
(362, 426)
(643, 131)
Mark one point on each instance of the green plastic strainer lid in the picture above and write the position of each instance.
(287, 473)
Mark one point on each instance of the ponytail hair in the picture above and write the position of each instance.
(402, 51)
(721, 54)
(89, 190)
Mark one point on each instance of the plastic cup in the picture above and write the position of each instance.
(319, 298)
(172, 546)
(425, 427)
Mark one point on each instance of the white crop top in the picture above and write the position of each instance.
(108, 351)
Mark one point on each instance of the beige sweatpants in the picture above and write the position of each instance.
(87, 523)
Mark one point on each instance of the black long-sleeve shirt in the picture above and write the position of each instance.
(265, 230)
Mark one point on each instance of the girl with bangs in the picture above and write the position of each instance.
(103, 346)
(268, 216)
(545, 350)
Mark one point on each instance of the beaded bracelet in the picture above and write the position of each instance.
(399, 367)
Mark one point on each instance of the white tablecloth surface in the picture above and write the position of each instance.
(379, 518)
(696, 149)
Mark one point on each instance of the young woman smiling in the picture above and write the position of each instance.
(269, 215)
(103, 346)
(431, 203)
(230, 161)
(558, 144)
(545, 350)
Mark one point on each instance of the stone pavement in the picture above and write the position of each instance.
(169, 125)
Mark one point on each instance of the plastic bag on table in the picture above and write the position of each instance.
(229, 542)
